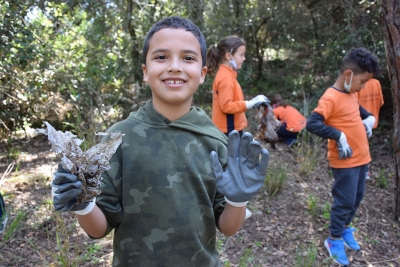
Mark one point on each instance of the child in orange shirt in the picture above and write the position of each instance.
(371, 99)
(228, 105)
(292, 121)
(339, 118)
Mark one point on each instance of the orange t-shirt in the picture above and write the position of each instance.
(371, 98)
(341, 111)
(228, 106)
(295, 121)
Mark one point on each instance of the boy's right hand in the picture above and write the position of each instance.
(345, 151)
(65, 189)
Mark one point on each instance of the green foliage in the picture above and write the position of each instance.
(326, 211)
(307, 152)
(247, 259)
(381, 181)
(274, 179)
(69, 253)
(78, 64)
(306, 256)
(92, 249)
(13, 153)
(13, 226)
(372, 241)
(312, 204)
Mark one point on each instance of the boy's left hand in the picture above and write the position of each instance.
(245, 172)
(368, 124)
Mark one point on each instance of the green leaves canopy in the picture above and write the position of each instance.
(77, 63)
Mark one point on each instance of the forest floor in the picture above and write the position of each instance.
(287, 228)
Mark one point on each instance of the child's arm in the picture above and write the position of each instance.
(315, 124)
(231, 219)
(94, 223)
(364, 113)
(242, 179)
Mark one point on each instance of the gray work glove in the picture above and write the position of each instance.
(257, 101)
(368, 124)
(345, 151)
(245, 172)
(65, 189)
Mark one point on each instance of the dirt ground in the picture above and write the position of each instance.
(285, 229)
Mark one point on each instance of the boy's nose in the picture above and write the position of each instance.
(174, 67)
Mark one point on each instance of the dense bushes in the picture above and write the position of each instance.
(78, 64)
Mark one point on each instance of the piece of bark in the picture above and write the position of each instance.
(89, 165)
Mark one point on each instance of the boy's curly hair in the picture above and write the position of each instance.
(360, 60)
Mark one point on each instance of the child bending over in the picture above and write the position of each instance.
(292, 121)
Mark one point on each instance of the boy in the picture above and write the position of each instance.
(371, 99)
(160, 195)
(339, 118)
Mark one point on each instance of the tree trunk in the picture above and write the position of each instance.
(390, 24)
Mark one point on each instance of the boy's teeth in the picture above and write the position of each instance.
(174, 82)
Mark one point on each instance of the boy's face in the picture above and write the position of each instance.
(173, 67)
(358, 81)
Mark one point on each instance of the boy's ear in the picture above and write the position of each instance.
(347, 73)
(144, 69)
(203, 74)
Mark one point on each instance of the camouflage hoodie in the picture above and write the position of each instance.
(160, 195)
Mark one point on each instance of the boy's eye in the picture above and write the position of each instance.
(161, 57)
(189, 58)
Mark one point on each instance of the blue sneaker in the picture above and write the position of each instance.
(335, 248)
(349, 240)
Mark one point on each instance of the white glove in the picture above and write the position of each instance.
(345, 151)
(256, 101)
(368, 124)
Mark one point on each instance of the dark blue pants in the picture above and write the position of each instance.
(282, 132)
(289, 137)
(347, 191)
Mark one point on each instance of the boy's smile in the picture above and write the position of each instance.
(173, 70)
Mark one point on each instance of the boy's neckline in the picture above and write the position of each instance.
(337, 89)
